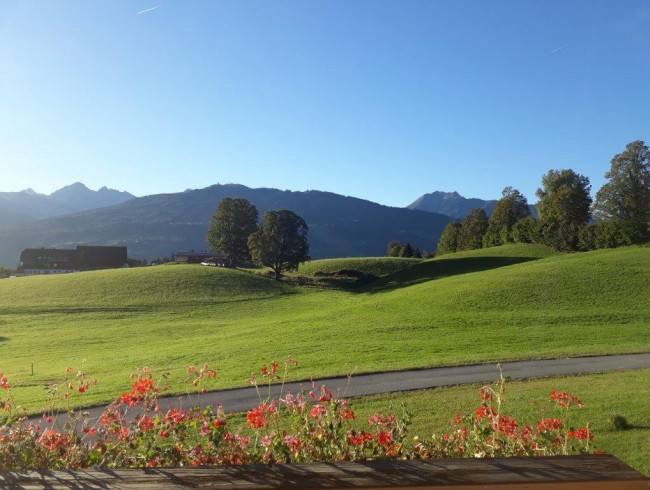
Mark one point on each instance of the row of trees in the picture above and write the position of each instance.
(565, 210)
(398, 249)
(279, 241)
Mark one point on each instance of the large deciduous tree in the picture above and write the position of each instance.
(472, 228)
(448, 242)
(512, 206)
(280, 242)
(626, 196)
(563, 207)
(232, 223)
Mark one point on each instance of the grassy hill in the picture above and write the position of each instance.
(509, 302)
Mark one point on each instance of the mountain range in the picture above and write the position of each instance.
(451, 204)
(158, 225)
(28, 205)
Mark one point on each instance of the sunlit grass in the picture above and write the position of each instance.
(505, 303)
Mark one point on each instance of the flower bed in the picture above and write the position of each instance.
(310, 426)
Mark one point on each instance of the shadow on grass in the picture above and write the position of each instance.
(3, 339)
(438, 269)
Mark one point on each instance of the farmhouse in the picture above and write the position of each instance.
(36, 261)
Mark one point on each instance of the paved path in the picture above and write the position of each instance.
(241, 399)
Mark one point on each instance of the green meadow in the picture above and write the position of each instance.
(505, 303)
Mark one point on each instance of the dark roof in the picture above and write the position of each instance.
(84, 257)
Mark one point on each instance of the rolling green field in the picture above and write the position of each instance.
(505, 303)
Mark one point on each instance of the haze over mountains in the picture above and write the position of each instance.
(158, 225)
(27, 205)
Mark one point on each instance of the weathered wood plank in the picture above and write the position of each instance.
(574, 472)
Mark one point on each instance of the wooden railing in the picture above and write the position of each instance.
(571, 472)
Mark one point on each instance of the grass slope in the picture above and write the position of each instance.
(505, 303)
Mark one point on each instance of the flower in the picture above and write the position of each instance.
(176, 415)
(549, 424)
(293, 443)
(146, 423)
(384, 438)
(259, 416)
(4, 383)
(565, 399)
(317, 411)
(580, 434)
(485, 412)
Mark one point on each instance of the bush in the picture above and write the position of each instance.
(620, 423)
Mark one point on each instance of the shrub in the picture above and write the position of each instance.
(620, 423)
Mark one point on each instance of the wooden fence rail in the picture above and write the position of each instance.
(571, 472)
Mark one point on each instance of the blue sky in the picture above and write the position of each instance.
(383, 100)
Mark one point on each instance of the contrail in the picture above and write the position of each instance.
(147, 10)
(557, 49)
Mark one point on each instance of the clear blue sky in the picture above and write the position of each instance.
(383, 100)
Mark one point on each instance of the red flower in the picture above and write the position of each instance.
(485, 413)
(549, 424)
(176, 416)
(4, 383)
(384, 438)
(91, 431)
(348, 414)
(565, 399)
(259, 416)
(317, 411)
(580, 434)
(146, 424)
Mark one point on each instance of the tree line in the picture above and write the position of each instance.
(568, 219)
(279, 241)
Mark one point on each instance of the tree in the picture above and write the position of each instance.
(563, 208)
(407, 251)
(232, 223)
(564, 195)
(527, 230)
(472, 228)
(627, 194)
(280, 242)
(512, 206)
(448, 242)
(395, 249)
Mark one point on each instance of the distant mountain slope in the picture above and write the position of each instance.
(10, 213)
(454, 205)
(450, 203)
(159, 225)
(28, 205)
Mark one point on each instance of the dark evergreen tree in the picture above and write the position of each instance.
(407, 251)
